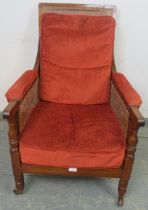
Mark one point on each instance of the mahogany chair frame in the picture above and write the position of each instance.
(132, 124)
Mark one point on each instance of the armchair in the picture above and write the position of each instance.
(72, 114)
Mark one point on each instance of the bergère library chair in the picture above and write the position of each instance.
(73, 114)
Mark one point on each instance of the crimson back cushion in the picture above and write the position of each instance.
(76, 56)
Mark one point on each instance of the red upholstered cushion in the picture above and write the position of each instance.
(128, 92)
(76, 57)
(18, 90)
(72, 136)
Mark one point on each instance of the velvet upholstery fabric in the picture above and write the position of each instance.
(128, 92)
(72, 136)
(18, 90)
(76, 57)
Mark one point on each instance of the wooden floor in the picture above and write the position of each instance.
(65, 193)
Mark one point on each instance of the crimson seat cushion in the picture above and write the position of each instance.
(76, 57)
(72, 136)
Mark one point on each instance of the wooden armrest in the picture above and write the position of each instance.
(10, 109)
(137, 114)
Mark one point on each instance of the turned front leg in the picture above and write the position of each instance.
(128, 164)
(14, 153)
(132, 141)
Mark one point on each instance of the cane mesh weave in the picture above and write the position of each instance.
(27, 105)
(119, 108)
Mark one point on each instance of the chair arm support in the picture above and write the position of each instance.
(10, 109)
(128, 93)
(135, 121)
(19, 89)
